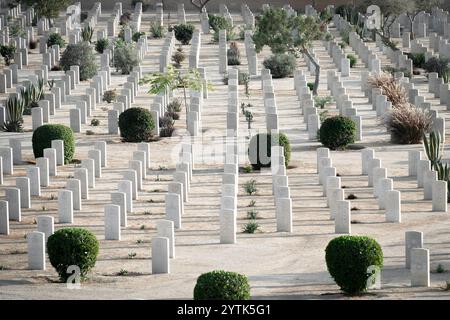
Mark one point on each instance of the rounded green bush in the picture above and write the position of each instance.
(184, 32)
(222, 285)
(352, 59)
(43, 136)
(348, 258)
(136, 125)
(72, 246)
(337, 132)
(101, 45)
(259, 149)
(55, 38)
(280, 65)
(82, 55)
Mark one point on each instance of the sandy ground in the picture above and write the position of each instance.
(279, 265)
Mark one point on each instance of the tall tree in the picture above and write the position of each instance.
(47, 8)
(292, 34)
(199, 4)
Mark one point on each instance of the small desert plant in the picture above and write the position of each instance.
(157, 30)
(184, 32)
(166, 126)
(248, 169)
(250, 227)
(7, 52)
(101, 45)
(310, 86)
(280, 65)
(440, 268)
(418, 59)
(252, 214)
(320, 102)
(87, 33)
(55, 38)
(233, 54)
(122, 272)
(173, 109)
(433, 148)
(351, 196)
(90, 132)
(248, 117)
(250, 187)
(14, 109)
(132, 255)
(109, 96)
(251, 204)
(337, 132)
(178, 57)
(125, 18)
(352, 59)
(95, 122)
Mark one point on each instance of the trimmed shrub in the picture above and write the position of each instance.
(55, 38)
(222, 285)
(137, 35)
(43, 136)
(101, 45)
(125, 57)
(259, 149)
(184, 32)
(348, 258)
(337, 132)
(280, 65)
(136, 125)
(72, 246)
(352, 59)
(82, 55)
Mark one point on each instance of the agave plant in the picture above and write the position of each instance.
(32, 95)
(433, 148)
(14, 110)
(87, 33)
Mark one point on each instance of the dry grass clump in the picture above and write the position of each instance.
(407, 124)
(394, 92)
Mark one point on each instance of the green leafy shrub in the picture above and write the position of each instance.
(125, 57)
(178, 57)
(7, 52)
(280, 65)
(233, 55)
(43, 136)
(439, 65)
(222, 285)
(55, 38)
(136, 125)
(250, 227)
(418, 59)
(337, 132)
(320, 102)
(95, 122)
(310, 86)
(184, 32)
(137, 35)
(352, 59)
(218, 23)
(72, 246)
(101, 45)
(82, 55)
(259, 149)
(348, 258)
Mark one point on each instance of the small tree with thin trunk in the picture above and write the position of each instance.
(199, 4)
(173, 79)
(292, 34)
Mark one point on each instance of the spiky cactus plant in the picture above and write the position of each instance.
(433, 148)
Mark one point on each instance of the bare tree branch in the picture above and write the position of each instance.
(199, 4)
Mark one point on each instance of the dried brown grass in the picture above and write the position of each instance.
(394, 92)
